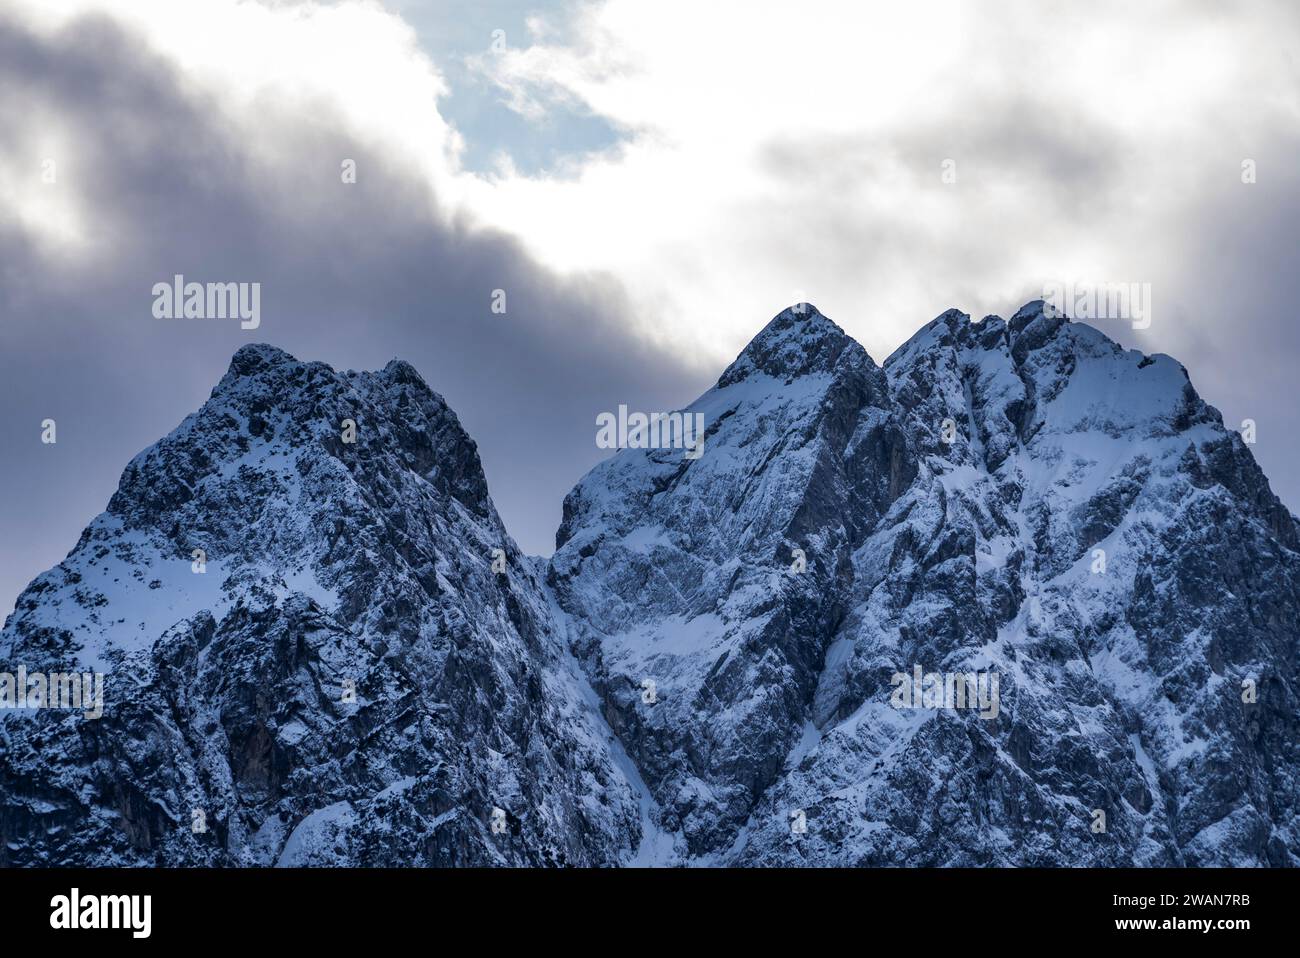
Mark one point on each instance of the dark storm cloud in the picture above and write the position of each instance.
(352, 274)
(166, 181)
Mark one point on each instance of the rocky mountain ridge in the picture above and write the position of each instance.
(367, 671)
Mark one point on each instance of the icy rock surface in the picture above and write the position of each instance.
(677, 572)
(773, 739)
(702, 673)
(327, 563)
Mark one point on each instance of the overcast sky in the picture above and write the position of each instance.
(648, 182)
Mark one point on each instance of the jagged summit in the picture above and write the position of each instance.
(709, 651)
(323, 639)
(254, 357)
(1021, 495)
(952, 324)
(262, 359)
(252, 353)
(798, 341)
(1033, 309)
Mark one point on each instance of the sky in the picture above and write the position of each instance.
(647, 183)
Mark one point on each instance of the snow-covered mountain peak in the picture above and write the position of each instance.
(1020, 496)
(317, 633)
(248, 499)
(797, 341)
(705, 672)
(249, 357)
(1035, 322)
(1035, 310)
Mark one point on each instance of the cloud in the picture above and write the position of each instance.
(767, 154)
(229, 168)
(774, 153)
(771, 149)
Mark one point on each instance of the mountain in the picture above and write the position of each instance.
(1095, 536)
(676, 571)
(348, 681)
(708, 670)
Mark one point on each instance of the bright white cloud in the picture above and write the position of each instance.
(774, 147)
(772, 151)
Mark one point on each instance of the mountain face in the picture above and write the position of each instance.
(716, 665)
(347, 681)
(677, 572)
(1095, 537)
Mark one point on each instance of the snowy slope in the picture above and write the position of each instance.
(1120, 683)
(676, 571)
(348, 681)
(703, 673)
